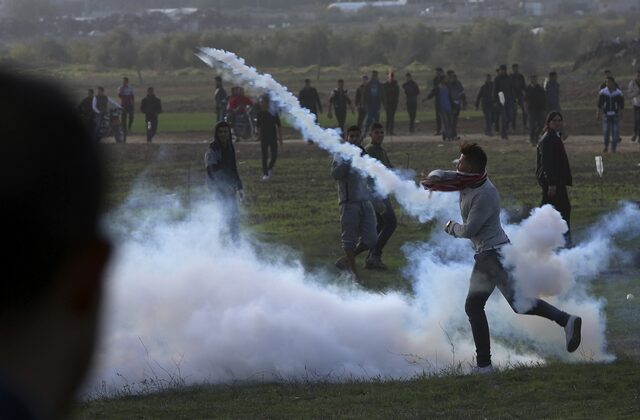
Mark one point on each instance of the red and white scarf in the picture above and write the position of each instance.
(441, 180)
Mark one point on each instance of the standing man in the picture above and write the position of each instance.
(310, 99)
(485, 97)
(338, 102)
(480, 211)
(634, 94)
(435, 83)
(220, 98)
(390, 98)
(360, 103)
(552, 92)
(85, 111)
(373, 100)
(222, 175)
(100, 105)
(553, 171)
(504, 98)
(151, 107)
(270, 134)
(444, 107)
(610, 105)
(386, 217)
(357, 217)
(53, 272)
(411, 92)
(535, 101)
(459, 101)
(125, 93)
(519, 86)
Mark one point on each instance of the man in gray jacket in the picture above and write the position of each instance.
(480, 210)
(357, 217)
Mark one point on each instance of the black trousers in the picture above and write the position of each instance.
(391, 117)
(488, 273)
(269, 145)
(341, 117)
(412, 108)
(438, 122)
(151, 123)
(127, 118)
(362, 114)
(560, 201)
(636, 120)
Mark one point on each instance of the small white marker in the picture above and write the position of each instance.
(629, 296)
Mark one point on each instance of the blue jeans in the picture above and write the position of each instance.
(373, 115)
(611, 131)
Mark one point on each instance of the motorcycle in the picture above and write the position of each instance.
(111, 126)
(243, 122)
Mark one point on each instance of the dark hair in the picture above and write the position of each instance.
(474, 155)
(489, 75)
(514, 65)
(550, 116)
(502, 67)
(553, 74)
(340, 81)
(376, 126)
(611, 79)
(409, 74)
(125, 79)
(51, 187)
(101, 88)
(450, 72)
(353, 128)
(606, 71)
(218, 78)
(307, 81)
(439, 69)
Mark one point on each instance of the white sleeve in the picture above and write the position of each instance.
(114, 103)
(94, 105)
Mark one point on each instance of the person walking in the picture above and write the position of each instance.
(220, 98)
(357, 217)
(553, 171)
(269, 134)
(519, 86)
(485, 97)
(411, 92)
(310, 99)
(535, 102)
(127, 99)
(223, 179)
(634, 94)
(552, 92)
(610, 105)
(386, 217)
(359, 100)
(151, 107)
(434, 84)
(504, 99)
(372, 97)
(480, 211)
(338, 102)
(390, 98)
(459, 101)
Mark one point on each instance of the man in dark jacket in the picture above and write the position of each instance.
(390, 98)
(309, 98)
(552, 92)
(338, 103)
(504, 98)
(485, 97)
(519, 87)
(459, 100)
(553, 171)
(535, 101)
(220, 99)
(151, 107)
(610, 106)
(222, 174)
(434, 84)
(270, 134)
(411, 92)
(85, 110)
(444, 107)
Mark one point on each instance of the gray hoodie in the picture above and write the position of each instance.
(480, 210)
(353, 187)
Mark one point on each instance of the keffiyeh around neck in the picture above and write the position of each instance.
(441, 180)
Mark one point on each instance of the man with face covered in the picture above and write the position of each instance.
(480, 210)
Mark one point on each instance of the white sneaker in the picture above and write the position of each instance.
(573, 333)
(485, 370)
(265, 177)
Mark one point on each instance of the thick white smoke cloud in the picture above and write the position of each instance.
(184, 303)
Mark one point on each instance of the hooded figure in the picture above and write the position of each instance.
(222, 172)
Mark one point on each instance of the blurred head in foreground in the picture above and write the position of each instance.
(54, 254)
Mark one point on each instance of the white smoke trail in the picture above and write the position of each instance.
(409, 195)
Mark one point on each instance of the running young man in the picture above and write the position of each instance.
(480, 210)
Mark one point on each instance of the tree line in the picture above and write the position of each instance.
(480, 44)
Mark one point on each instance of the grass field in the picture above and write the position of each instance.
(298, 208)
